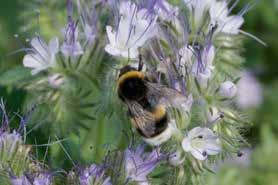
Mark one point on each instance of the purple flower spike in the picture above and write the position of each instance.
(71, 47)
(94, 175)
(41, 179)
(138, 165)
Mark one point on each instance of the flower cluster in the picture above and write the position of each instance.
(17, 166)
(191, 50)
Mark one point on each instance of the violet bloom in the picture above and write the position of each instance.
(88, 18)
(41, 179)
(71, 46)
(41, 55)
(136, 26)
(138, 165)
(94, 175)
(203, 65)
(20, 180)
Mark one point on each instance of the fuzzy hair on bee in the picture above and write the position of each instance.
(147, 103)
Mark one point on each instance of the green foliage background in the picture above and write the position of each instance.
(19, 17)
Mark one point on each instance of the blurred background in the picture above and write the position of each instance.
(20, 20)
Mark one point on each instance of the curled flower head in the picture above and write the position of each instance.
(94, 175)
(41, 55)
(201, 142)
(138, 164)
(135, 27)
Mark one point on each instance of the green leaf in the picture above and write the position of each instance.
(15, 76)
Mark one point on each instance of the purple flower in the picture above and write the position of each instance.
(94, 175)
(41, 179)
(203, 65)
(20, 180)
(88, 17)
(138, 165)
(71, 46)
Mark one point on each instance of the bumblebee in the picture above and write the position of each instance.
(147, 102)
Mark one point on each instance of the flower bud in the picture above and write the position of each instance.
(227, 89)
(213, 114)
(55, 80)
(176, 158)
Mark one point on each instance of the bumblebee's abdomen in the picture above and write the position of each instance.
(132, 89)
(160, 126)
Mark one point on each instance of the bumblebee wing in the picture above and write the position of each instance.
(143, 119)
(168, 97)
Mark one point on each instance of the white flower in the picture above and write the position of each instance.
(42, 56)
(227, 89)
(134, 29)
(201, 142)
(249, 91)
(219, 15)
(198, 9)
(176, 158)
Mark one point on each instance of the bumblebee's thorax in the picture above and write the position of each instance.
(131, 85)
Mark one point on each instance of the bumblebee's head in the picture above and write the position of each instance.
(131, 83)
(126, 69)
